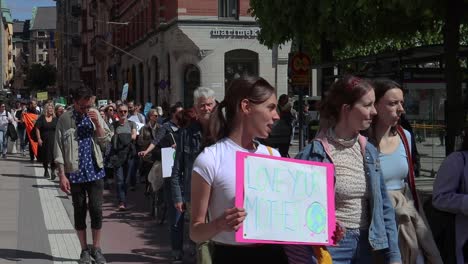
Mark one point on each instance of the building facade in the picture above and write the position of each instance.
(42, 36)
(6, 47)
(172, 47)
(68, 43)
(20, 55)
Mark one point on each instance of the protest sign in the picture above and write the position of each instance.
(102, 103)
(167, 160)
(42, 96)
(124, 92)
(148, 106)
(287, 201)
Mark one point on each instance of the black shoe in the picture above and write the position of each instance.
(46, 173)
(97, 256)
(85, 257)
(53, 175)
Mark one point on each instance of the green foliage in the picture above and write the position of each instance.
(40, 76)
(353, 28)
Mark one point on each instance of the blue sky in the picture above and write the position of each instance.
(22, 9)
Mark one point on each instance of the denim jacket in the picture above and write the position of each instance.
(382, 229)
(188, 148)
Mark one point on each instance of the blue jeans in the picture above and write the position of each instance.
(122, 174)
(22, 138)
(133, 171)
(354, 248)
(176, 220)
(3, 142)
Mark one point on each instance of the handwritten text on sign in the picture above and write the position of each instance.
(287, 201)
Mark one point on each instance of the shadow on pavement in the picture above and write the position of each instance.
(20, 176)
(149, 241)
(18, 255)
(134, 258)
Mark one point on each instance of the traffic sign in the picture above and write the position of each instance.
(299, 66)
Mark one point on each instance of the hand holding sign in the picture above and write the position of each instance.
(231, 220)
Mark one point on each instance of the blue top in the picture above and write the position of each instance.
(88, 169)
(395, 166)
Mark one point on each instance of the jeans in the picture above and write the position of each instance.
(22, 138)
(176, 220)
(3, 142)
(133, 171)
(353, 248)
(94, 192)
(121, 177)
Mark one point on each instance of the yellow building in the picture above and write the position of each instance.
(6, 45)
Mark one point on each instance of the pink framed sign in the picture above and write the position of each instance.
(287, 201)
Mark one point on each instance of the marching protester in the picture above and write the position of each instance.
(250, 106)
(5, 119)
(362, 204)
(20, 127)
(59, 110)
(122, 153)
(166, 137)
(450, 194)
(32, 109)
(147, 135)
(79, 137)
(45, 133)
(189, 145)
(394, 145)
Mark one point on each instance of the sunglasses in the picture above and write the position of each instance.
(123, 111)
(110, 110)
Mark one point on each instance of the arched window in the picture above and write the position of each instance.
(238, 63)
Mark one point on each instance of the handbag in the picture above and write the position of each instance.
(11, 132)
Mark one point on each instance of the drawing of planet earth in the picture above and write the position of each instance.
(316, 218)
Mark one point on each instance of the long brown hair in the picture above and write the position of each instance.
(255, 89)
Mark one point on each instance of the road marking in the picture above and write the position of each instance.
(65, 246)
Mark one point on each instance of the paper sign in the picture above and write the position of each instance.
(42, 96)
(287, 201)
(148, 106)
(102, 103)
(124, 92)
(167, 160)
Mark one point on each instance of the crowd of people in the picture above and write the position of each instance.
(380, 217)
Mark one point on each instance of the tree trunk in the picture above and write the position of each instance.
(454, 106)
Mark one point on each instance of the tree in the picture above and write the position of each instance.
(336, 28)
(40, 76)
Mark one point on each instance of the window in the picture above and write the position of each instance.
(41, 33)
(228, 8)
(239, 63)
(40, 57)
(40, 45)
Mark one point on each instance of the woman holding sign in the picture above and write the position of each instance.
(250, 111)
(362, 204)
(394, 145)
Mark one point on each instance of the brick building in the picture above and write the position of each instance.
(170, 47)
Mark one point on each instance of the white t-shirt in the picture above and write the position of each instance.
(217, 166)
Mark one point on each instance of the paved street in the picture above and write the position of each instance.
(36, 224)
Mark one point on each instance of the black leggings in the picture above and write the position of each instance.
(271, 254)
